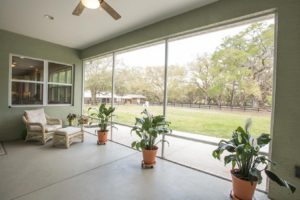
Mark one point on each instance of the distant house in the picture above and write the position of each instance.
(133, 99)
(106, 97)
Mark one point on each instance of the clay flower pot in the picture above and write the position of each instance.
(149, 156)
(242, 189)
(102, 137)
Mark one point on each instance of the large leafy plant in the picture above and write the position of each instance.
(148, 128)
(243, 154)
(103, 114)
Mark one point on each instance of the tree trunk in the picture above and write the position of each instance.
(232, 93)
(93, 92)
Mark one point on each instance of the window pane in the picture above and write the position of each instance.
(219, 79)
(27, 69)
(216, 81)
(59, 73)
(139, 83)
(98, 81)
(59, 94)
(97, 85)
(69, 76)
(26, 93)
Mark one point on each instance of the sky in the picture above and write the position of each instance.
(181, 51)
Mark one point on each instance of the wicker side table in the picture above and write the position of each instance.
(67, 136)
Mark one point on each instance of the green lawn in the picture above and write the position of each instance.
(217, 123)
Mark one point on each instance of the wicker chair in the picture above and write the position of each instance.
(39, 126)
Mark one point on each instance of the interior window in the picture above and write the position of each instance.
(59, 84)
(27, 81)
(30, 84)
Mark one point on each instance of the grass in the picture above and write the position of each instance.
(218, 123)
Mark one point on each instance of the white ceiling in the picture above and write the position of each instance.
(93, 26)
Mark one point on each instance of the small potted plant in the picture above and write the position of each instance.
(148, 128)
(103, 114)
(83, 120)
(247, 163)
(71, 117)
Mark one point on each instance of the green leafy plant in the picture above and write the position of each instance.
(244, 156)
(148, 128)
(103, 114)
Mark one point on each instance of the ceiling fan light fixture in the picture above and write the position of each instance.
(91, 4)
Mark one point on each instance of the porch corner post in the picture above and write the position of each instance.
(165, 94)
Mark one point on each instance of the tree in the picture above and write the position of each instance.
(237, 73)
(98, 76)
(203, 77)
(153, 78)
(177, 83)
(245, 61)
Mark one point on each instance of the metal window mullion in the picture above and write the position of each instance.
(73, 84)
(165, 94)
(82, 86)
(112, 91)
(45, 87)
(10, 81)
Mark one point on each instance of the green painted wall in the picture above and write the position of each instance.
(286, 113)
(10, 121)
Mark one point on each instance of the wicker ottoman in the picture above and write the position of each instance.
(67, 136)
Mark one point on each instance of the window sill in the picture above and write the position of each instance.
(34, 105)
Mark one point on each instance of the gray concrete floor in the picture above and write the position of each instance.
(88, 171)
(193, 154)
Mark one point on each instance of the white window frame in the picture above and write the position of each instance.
(45, 82)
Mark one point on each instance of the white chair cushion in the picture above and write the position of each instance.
(52, 128)
(48, 128)
(36, 116)
(67, 131)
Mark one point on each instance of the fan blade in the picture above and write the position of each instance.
(78, 10)
(109, 10)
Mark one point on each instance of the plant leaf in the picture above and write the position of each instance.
(254, 172)
(248, 124)
(280, 181)
(230, 158)
(263, 139)
(133, 144)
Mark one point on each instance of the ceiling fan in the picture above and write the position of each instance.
(94, 4)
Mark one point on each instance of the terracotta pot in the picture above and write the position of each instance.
(102, 137)
(242, 189)
(149, 156)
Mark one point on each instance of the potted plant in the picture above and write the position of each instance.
(148, 128)
(71, 117)
(103, 114)
(83, 120)
(247, 163)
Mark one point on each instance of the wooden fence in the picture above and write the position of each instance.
(212, 107)
(218, 107)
